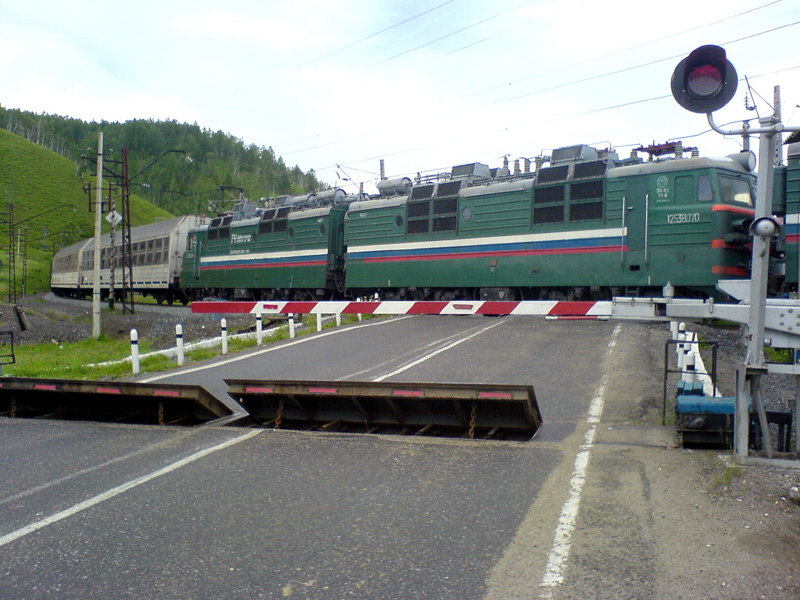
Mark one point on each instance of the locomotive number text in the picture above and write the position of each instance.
(683, 218)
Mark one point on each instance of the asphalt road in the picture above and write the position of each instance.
(105, 511)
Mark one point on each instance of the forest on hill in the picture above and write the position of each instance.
(176, 166)
(43, 208)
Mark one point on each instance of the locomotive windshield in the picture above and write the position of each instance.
(735, 191)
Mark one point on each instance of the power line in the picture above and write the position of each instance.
(631, 68)
(628, 49)
(452, 33)
(377, 33)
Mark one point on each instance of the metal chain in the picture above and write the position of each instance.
(472, 421)
(279, 418)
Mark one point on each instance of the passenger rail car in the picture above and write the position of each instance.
(156, 259)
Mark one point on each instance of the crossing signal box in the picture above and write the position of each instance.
(705, 80)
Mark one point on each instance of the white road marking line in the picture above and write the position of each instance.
(436, 352)
(167, 442)
(116, 491)
(234, 359)
(559, 552)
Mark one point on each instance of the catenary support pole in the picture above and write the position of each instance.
(97, 329)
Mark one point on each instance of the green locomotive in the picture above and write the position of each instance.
(582, 224)
(586, 226)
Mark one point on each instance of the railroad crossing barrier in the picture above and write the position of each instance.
(117, 401)
(461, 410)
(620, 308)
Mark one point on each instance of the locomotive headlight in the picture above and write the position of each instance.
(765, 227)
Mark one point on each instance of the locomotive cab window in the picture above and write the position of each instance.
(735, 191)
(705, 193)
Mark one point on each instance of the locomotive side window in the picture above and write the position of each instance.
(548, 205)
(444, 214)
(735, 190)
(418, 217)
(586, 201)
(704, 191)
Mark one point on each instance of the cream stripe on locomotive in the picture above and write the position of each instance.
(306, 255)
(592, 235)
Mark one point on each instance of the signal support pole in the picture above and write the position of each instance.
(749, 374)
(703, 82)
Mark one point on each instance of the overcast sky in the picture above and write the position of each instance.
(424, 84)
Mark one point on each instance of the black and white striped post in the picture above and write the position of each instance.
(135, 352)
(179, 343)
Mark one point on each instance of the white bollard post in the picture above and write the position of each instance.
(135, 351)
(319, 322)
(179, 343)
(679, 347)
(689, 375)
(224, 324)
(292, 332)
(338, 319)
(259, 330)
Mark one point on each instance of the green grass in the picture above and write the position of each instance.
(73, 360)
(728, 474)
(49, 202)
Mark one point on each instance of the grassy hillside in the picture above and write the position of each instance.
(49, 201)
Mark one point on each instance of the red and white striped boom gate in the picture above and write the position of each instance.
(620, 308)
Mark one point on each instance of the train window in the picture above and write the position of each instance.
(418, 209)
(279, 226)
(322, 228)
(224, 233)
(418, 226)
(418, 217)
(466, 213)
(213, 234)
(290, 233)
(595, 168)
(586, 190)
(548, 214)
(449, 188)
(586, 211)
(704, 191)
(736, 190)
(548, 194)
(444, 223)
(265, 227)
(420, 192)
(445, 206)
(398, 221)
(553, 174)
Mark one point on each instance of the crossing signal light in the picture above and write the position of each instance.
(705, 80)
